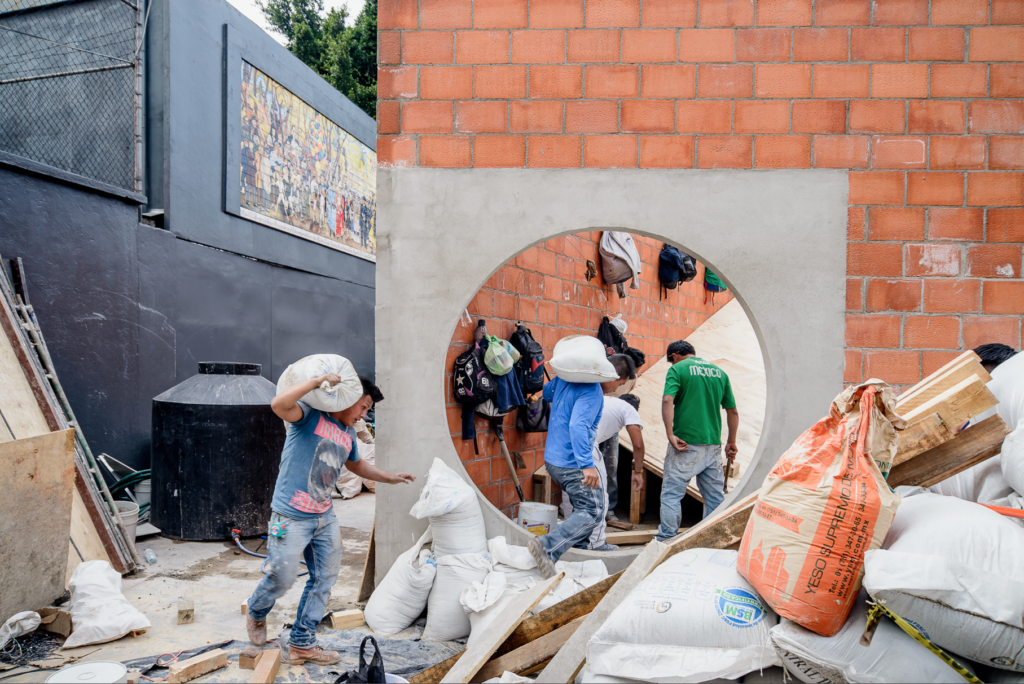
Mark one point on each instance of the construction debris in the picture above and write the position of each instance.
(347, 619)
(266, 667)
(186, 670)
(186, 612)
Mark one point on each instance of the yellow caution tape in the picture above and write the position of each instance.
(877, 610)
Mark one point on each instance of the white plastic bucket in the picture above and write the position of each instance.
(95, 672)
(538, 518)
(143, 492)
(128, 512)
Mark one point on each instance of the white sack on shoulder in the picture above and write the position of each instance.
(451, 505)
(99, 611)
(954, 568)
(325, 398)
(402, 594)
(581, 358)
(446, 619)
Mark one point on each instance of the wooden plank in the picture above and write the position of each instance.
(366, 587)
(619, 525)
(186, 612)
(480, 651)
(527, 657)
(266, 667)
(634, 499)
(967, 449)
(923, 435)
(542, 486)
(247, 658)
(197, 666)
(86, 543)
(347, 619)
(938, 382)
(632, 537)
(957, 405)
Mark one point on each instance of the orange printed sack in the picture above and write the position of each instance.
(823, 506)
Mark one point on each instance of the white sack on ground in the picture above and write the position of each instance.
(893, 655)
(578, 576)
(693, 619)
(446, 619)
(508, 678)
(402, 594)
(18, 625)
(954, 568)
(485, 601)
(582, 358)
(515, 562)
(325, 398)
(349, 484)
(451, 505)
(99, 611)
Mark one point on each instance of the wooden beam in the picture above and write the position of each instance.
(634, 537)
(499, 629)
(968, 448)
(634, 499)
(347, 619)
(197, 666)
(923, 435)
(955, 371)
(542, 486)
(619, 525)
(956, 405)
(367, 586)
(247, 658)
(528, 657)
(186, 612)
(266, 667)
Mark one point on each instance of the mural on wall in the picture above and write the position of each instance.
(301, 173)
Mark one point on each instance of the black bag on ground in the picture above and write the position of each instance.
(534, 416)
(675, 267)
(530, 366)
(472, 385)
(372, 672)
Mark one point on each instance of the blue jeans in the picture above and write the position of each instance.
(701, 460)
(318, 542)
(587, 511)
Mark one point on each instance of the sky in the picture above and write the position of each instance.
(249, 9)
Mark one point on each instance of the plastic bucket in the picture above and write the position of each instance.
(538, 518)
(143, 491)
(95, 672)
(128, 512)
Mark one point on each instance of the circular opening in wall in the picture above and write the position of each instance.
(558, 288)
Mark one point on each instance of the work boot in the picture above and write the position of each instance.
(315, 654)
(257, 630)
(611, 517)
(544, 564)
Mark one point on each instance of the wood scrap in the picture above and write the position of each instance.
(542, 486)
(499, 629)
(956, 405)
(619, 525)
(133, 676)
(186, 612)
(923, 435)
(955, 371)
(347, 619)
(366, 586)
(247, 658)
(197, 666)
(969, 448)
(527, 658)
(634, 537)
(266, 667)
(244, 607)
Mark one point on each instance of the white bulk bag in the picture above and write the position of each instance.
(693, 619)
(325, 398)
(581, 358)
(954, 568)
(451, 505)
(893, 655)
(579, 575)
(99, 611)
(484, 601)
(402, 594)
(515, 562)
(446, 619)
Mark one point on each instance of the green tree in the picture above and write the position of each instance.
(345, 56)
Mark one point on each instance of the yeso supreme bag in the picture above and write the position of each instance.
(402, 594)
(324, 398)
(581, 358)
(692, 619)
(450, 504)
(824, 504)
(956, 569)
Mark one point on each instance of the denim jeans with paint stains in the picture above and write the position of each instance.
(701, 460)
(588, 509)
(318, 542)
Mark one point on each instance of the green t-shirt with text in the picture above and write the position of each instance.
(701, 390)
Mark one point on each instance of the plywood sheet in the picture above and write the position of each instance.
(18, 408)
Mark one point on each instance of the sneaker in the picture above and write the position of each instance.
(606, 547)
(611, 517)
(544, 564)
(315, 654)
(257, 630)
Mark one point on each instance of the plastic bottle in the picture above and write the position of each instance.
(150, 556)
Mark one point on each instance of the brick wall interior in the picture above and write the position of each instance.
(546, 288)
(920, 99)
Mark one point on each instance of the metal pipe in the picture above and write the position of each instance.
(23, 79)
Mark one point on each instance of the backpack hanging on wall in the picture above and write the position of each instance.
(675, 267)
(611, 338)
(472, 385)
(712, 284)
(530, 366)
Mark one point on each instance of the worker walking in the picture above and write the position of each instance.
(695, 394)
(303, 526)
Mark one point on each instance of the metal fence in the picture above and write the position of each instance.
(69, 86)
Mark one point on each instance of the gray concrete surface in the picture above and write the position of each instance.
(777, 239)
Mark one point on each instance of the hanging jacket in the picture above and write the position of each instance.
(620, 260)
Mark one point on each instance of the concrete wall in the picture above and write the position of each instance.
(443, 233)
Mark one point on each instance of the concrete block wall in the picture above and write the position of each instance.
(921, 100)
(546, 288)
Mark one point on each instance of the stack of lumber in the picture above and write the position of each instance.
(933, 447)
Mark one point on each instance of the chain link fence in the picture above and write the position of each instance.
(69, 86)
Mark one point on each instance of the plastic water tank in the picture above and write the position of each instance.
(216, 452)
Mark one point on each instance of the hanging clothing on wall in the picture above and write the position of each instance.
(620, 260)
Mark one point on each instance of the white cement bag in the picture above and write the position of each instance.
(578, 576)
(99, 611)
(508, 678)
(402, 594)
(325, 398)
(446, 619)
(18, 625)
(893, 655)
(954, 568)
(515, 562)
(581, 358)
(452, 507)
(694, 618)
(485, 601)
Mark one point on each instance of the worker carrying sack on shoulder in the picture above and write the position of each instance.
(450, 503)
(692, 619)
(824, 504)
(324, 398)
(402, 594)
(956, 569)
(581, 358)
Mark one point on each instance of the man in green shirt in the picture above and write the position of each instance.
(695, 394)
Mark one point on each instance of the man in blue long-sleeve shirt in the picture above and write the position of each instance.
(569, 458)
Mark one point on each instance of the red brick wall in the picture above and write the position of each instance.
(545, 287)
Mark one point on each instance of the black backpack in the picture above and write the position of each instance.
(639, 358)
(611, 338)
(675, 267)
(472, 385)
(530, 367)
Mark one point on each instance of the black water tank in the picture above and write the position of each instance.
(216, 452)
